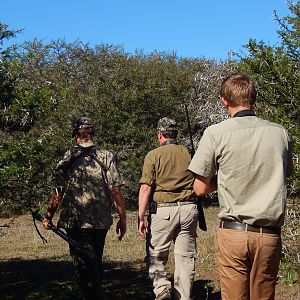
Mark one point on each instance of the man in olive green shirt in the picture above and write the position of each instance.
(252, 160)
(173, 214)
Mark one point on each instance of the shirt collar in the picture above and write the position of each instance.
(169, 142)
(244, 113)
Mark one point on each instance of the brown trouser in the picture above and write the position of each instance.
(248, 264)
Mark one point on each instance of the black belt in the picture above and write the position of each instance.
(246, 227)
(177, 203)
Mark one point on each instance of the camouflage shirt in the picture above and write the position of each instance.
(87, 174)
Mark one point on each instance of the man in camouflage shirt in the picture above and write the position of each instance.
(87, 183)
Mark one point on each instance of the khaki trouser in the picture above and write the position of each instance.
(178, 224)
(248, 264)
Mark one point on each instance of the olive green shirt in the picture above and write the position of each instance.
(87, 181)
(252, 159)
(166, 169)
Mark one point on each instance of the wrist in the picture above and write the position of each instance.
(122, 216)
(48, 217)
(123, 219)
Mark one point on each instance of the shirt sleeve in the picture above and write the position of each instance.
(203, 162)
(148, 173)
(113, 175)
(60, 175)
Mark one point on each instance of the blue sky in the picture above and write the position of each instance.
(190, 28)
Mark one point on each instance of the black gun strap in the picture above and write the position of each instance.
(36, 228)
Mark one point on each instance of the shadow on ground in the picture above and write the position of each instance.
(44, 279)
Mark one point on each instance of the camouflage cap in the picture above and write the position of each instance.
(82, 122)
(166, 124)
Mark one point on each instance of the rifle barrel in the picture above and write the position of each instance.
(56, 230)
(63, 236)
(190, 130)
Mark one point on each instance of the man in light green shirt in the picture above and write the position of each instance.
(247, 160)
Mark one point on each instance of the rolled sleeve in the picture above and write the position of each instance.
(203, 162)
(148, 173)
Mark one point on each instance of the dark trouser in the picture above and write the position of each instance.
(88, 261)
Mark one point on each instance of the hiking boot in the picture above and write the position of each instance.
(164, 295)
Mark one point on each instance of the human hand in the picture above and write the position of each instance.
(121, 228)
(142, 227)
(46, 223)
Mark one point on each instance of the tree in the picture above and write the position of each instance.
(7, 74)
(10, 148)
(124, 94)
(203, 99)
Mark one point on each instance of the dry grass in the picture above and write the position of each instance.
(30, 269)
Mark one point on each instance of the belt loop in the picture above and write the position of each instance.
(246, 228)
(222, 224)
(261, 231)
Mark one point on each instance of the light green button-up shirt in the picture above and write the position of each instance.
(252, 159)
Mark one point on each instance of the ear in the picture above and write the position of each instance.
(225, 102)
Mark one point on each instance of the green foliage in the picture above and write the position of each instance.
(21, 169)
(7, 74)
(6, 34)
(289, 30)
(53, 84)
